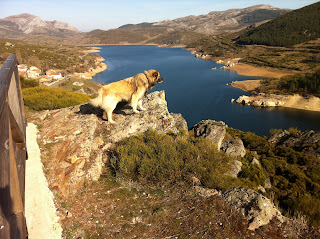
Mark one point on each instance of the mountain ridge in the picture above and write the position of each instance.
(182, 31)
(29, 24)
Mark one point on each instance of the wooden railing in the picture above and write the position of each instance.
(13, 153)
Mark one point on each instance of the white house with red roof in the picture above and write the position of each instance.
(22, 69)
(54, 74)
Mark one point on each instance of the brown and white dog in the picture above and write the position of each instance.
(131, 89)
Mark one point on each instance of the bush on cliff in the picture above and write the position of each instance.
(42, 98)
(293, 175)
(160, 158)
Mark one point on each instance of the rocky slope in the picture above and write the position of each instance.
(186, 30)
(231, 20)
(74, 140)
(28, 24)
(75, 144)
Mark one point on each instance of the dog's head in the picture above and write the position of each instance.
(154, 76)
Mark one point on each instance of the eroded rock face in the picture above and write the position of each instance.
(73, 140)
(259, 209)
(307, 141)
(234, 147)
(235, 168)
(211, 129)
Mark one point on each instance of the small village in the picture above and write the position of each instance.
(33, 72)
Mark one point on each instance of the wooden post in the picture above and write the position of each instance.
(12, 152)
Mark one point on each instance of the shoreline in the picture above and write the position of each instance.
(101, 66)
(295, 101)
(288, 101)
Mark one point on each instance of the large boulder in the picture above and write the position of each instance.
(73, 140)
(234, 147)
(235, 169)
(211, 129)
(257, 208)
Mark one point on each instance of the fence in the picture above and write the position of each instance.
(13, 153)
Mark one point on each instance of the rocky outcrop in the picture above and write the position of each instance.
(211, 129)
(260, 101)
(307, 142)
(74, 140)
(235, 169)
(258, 209)
(234, 147)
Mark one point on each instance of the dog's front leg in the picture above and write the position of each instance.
(140, 105)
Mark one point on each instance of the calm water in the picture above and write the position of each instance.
(198, 92)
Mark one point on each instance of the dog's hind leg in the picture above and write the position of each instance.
(109, 105)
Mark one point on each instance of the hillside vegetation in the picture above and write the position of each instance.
(43, 98)
(66, 58)
(289, 29)
(305, 85)
(163, 159)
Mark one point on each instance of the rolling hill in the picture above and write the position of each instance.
(289, 29)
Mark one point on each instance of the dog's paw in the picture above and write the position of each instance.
(143, 109)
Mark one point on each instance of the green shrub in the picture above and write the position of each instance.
(41, 98)
(160, 158)
(27, 83)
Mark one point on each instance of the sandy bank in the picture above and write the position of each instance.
(248, 85)
(93, 49)
(249, 70)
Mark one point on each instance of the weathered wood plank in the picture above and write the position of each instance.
(21, 156)
(5, 78)
(14, 102)
(18, 133)
(5, 200)
(17, 205)
(12, 152)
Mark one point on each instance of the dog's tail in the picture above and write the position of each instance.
(97, 101)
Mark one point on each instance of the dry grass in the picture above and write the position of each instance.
(108, 209)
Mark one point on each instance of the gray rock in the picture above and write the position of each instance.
(206, 192)
(256, 162)
(211, 129)
(257, 208)
(235, 169)
(234, 147)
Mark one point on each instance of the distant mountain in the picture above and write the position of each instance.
(188, 29)
(28, 24)
(135, 26)
(231, 20)
(289, 29)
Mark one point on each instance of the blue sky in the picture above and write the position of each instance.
(105, 14)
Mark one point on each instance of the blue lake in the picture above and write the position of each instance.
(197, 91)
